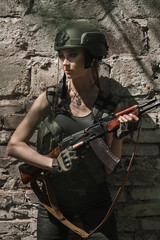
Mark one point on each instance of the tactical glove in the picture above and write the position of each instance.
(65, 161)
(126, 128)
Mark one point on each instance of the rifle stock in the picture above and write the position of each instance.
(29, 172)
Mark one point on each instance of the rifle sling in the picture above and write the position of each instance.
(52, 205)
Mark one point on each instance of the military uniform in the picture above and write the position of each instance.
(81, 192)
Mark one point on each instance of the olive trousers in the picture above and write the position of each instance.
(89, 208)
(49, 228)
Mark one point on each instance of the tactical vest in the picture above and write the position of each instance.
(50, 133)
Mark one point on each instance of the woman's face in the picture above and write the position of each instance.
(72, 61)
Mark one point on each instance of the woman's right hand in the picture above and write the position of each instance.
(66, 160)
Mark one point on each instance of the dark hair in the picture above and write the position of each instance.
(95, 71)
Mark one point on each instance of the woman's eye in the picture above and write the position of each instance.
(73, 55)
(69, 56)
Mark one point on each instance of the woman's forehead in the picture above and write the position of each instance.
(68, 50)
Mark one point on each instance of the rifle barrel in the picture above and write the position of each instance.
(156, 105)
(147, 103)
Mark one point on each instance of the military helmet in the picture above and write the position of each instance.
(82, 35)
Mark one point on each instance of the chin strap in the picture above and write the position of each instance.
(51, 204)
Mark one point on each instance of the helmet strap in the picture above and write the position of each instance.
(64, 86)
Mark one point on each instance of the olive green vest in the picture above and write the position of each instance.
(51, 132)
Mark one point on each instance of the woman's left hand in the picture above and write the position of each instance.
(128, 118)
(128, 123)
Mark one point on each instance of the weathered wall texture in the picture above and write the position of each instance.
(28, 63)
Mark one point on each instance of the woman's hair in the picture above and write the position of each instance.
(93, 63)
(95, 72)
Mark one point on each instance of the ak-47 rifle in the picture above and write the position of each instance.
(92, 136)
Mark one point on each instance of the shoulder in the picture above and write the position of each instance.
(40, 108)
(109, 100)
(51, 94)
(105, 104)
(41, 102)
(38, 111)
(117, 108)
(56, 94)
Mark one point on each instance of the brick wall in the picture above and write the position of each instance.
(28, 64)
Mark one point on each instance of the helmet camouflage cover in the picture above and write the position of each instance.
(82, 35)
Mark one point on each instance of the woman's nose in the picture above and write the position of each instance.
(65, 62)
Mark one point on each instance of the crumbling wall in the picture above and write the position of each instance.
(28, 64)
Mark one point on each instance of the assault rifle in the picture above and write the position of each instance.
(92, 136)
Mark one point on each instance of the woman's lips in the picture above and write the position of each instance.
(68, 71)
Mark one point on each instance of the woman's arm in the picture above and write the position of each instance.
(115, 144)
(17, 146)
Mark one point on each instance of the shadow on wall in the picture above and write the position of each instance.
(108, 6)
(146, 160)
(128, 42)
(144, 11)
(63, 15)
(37, 7)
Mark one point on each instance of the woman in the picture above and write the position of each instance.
(81, 188)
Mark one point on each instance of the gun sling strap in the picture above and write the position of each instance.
(51, 204)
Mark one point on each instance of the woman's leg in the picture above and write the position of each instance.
(48, 227)
(108, 231)
(95, 207)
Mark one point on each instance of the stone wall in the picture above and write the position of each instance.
(28, 64)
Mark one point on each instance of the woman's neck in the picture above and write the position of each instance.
(82, 85)
(82, 94)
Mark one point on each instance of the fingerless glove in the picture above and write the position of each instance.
(65, 161)
(126, 128)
